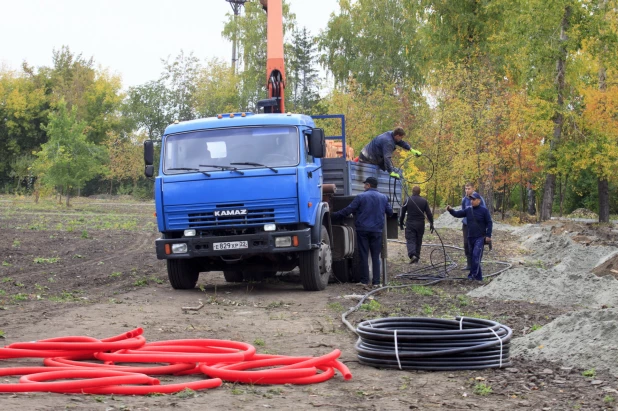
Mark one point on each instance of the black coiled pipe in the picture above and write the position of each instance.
(464, 343)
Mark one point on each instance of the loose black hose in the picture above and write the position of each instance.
(417, 343)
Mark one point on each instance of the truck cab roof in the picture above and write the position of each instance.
(238, 120)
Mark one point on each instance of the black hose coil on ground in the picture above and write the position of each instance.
(418, 343)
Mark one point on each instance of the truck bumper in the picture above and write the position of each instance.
(262, 243)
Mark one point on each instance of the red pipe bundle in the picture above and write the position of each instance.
(220, 360)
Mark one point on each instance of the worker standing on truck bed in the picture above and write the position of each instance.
(379, 151)
(368, 209)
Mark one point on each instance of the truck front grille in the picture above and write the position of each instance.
(253, 214)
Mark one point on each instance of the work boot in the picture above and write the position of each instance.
(414, 259)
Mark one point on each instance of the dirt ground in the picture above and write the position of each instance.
(91, 270)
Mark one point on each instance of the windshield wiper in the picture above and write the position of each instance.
(189, 169)
(223, 168)
(248, 163)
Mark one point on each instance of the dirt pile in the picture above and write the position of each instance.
(583, 213)
(583, 339)
(557, 272)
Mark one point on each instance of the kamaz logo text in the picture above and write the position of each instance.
(220, 213)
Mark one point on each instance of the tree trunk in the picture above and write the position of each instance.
(603, 201)
(68, 196)
(560, 194)
(563, 191)
(550, 179)
(603, 183)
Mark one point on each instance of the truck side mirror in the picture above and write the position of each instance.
(148, 152)
(149, 171)
(148, 158)
(317, 143)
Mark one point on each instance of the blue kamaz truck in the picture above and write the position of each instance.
(252, 194)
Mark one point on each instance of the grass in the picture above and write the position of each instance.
(186, 393)
(482, 389)
(589, 373)
(41, 260)
(337, 307)
(20, 297)
(372, 305)
(65, 297)
(259, 342)
(535, 327)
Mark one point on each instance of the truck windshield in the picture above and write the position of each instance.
(271, 146)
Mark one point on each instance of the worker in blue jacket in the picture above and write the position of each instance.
(368, 209)
(465, 202)
(480, 227)
(379, 151)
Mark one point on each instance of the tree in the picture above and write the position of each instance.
(23, 110)
(302, 74)
(374, 42)
(67, 160)
(180, 78)
(217, 90)
(149, 108)
(125, 158)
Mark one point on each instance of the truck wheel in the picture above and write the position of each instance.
(233, 276)
(341, 270)
(183, 274)
(316, 266)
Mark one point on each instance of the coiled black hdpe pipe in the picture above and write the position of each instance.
(435, 344)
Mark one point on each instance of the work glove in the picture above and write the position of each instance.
(416, 152)
(395, 175)
(431, 229)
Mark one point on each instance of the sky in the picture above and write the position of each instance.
(128, 37)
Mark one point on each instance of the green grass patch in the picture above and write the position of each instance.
(41, 260)
(590, 373)
(482, 389)
(372, 305)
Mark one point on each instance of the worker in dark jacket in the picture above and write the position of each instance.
(379, 151)
(416, 207)
(465, 202)
(368, 209)
(480, 227)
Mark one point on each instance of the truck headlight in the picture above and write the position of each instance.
(179, 248)
(283, 241)
(189, 233)
(270, 227)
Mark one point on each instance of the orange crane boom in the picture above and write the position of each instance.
(275, 66)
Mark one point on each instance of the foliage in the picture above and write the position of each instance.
(147, 106)
(67, 159)
(302, 75)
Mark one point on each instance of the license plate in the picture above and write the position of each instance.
(230, 245)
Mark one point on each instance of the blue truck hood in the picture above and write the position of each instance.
(196, 201)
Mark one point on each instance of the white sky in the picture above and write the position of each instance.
(129, 37)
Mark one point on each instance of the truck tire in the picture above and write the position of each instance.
(183, 274)
(316, 266)
(233, 276)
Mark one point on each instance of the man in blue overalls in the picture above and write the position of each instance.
(480, 227)
(368, 209)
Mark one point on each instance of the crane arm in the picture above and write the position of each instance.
(275, 66)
